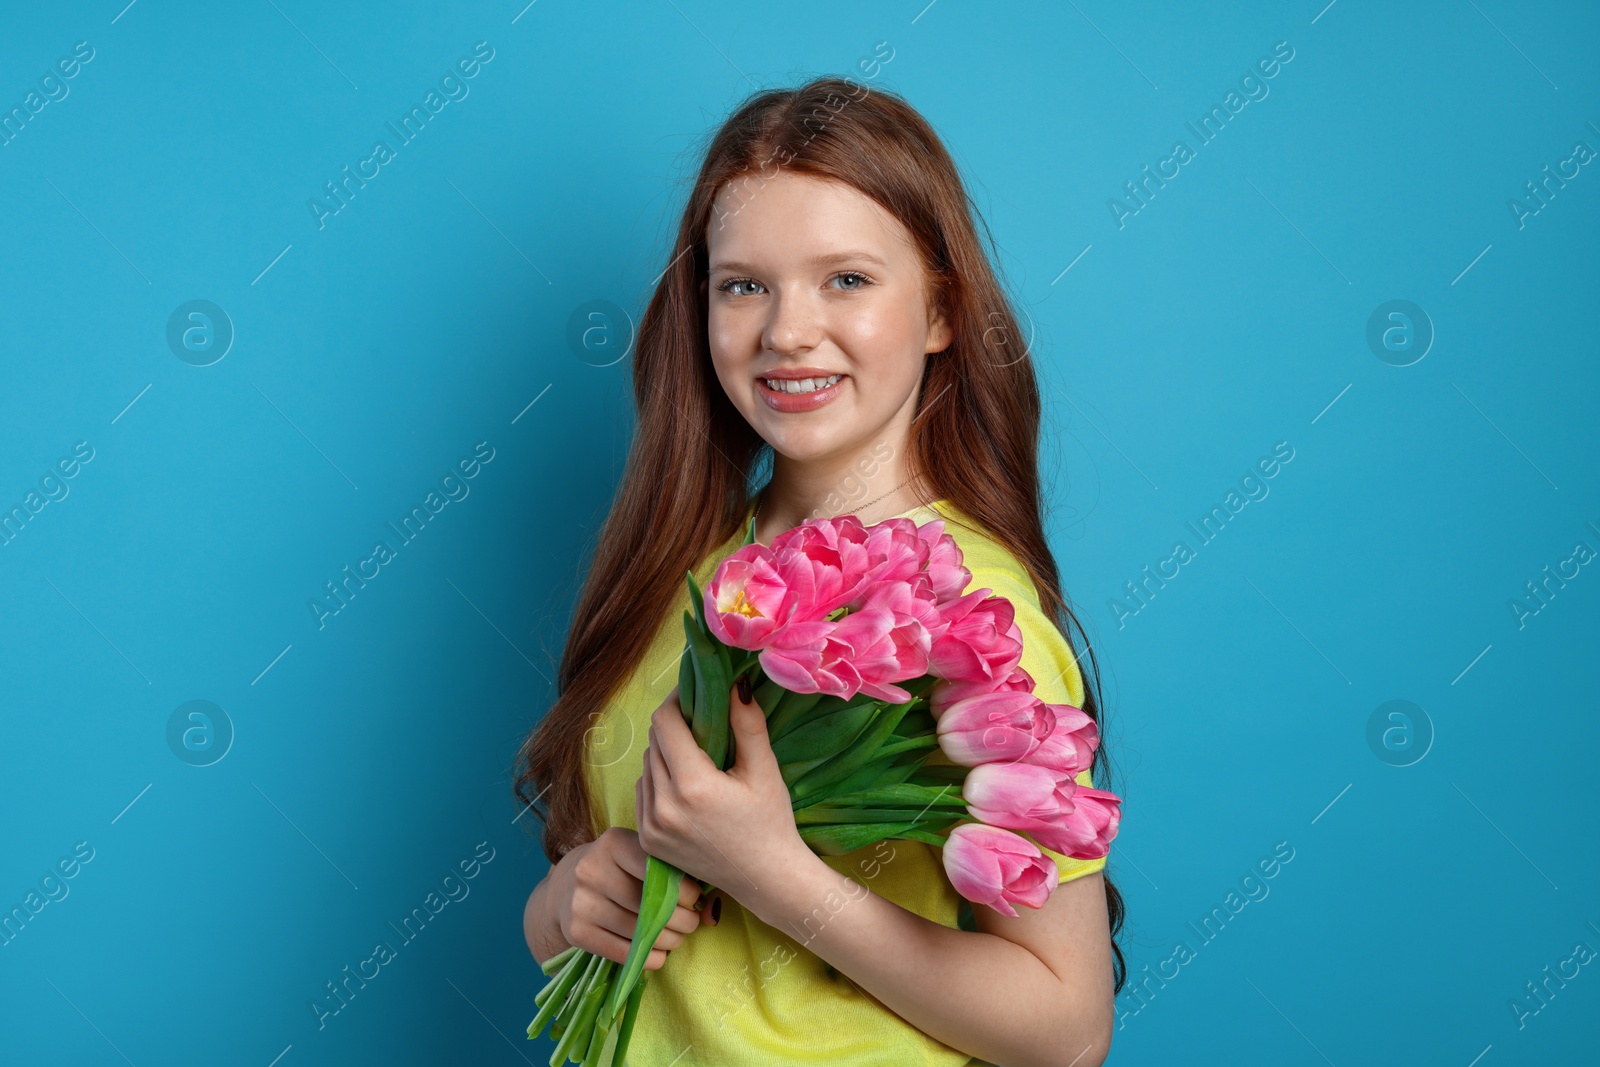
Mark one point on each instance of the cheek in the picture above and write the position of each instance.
(732, 341)
(884, 343)
(726, 353)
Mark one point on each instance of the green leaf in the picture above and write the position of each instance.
(878, 772)
(943, 772)
(852, 759)
(686, 679)
(712, 682)
(698, 600)
(823, 814)
(920, 721)
(798, 708)
(909, 794)
(658, 898)
(774, 700)
(793, 771)
(824, 736)
(836, 840)
(909, 744)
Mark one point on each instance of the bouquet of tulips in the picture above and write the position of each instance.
(867, 655)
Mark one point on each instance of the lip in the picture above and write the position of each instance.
(792, 402)
(799, 372)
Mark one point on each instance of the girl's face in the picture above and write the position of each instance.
(810, 278)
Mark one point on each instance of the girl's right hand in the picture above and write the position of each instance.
(592, 898)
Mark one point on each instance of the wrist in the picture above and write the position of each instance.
(542, 929)
(789, 888)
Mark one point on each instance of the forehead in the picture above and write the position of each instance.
(799, 218)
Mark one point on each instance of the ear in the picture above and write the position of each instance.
(939, 332)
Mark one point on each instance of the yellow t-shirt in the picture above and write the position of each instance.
(742, 992)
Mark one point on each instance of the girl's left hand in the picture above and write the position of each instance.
(728, 828)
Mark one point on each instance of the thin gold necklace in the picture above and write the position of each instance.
(857, 511)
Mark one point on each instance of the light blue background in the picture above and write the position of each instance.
(372, 354)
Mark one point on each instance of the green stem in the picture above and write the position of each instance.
(909, 744)
(823, 814)
(561, 1025)
(559, 960)
(555, 992)
(625, 1030)
(578, 1034)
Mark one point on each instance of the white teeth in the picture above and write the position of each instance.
(801, 385)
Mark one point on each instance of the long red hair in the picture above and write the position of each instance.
(691, 463)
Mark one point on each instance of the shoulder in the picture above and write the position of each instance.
(991, 563)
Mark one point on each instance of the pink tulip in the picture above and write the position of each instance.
(1069, 747)
(748, 598)
(947, 691)
(981, 641)
(834, 552)
(867, 651)
(988, 865)
(1006, 725)
(944, 568)
(1060, 814)
(901, 653)
(894, 550)
(1087, 830)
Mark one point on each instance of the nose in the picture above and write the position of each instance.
(792, 324)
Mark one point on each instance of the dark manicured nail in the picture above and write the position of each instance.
(744, 689)
(716, 911)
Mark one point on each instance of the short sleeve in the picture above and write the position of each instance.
(1049, 661)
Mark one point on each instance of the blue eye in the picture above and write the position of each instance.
(736, 286)
(727, 286)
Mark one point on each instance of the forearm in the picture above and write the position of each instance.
(976, 992)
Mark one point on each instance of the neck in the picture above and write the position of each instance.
(799, 492)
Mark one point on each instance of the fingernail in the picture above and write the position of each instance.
(744, 689)
(716, 911)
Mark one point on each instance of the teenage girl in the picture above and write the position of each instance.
(828, 316)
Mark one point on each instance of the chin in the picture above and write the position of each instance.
(809, 447)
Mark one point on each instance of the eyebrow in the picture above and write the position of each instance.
(815, 261)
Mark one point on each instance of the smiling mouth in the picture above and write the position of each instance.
(801, 386)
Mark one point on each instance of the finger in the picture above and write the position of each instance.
(752, 750)
(608, 915)
(663, 773)
(668, 939)
(644, 798)
(625, 889)
(671, 735)
(616, 949)
(656, 761)
(630, 856)
(688, 891)
(683, 920)
(603, 943)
